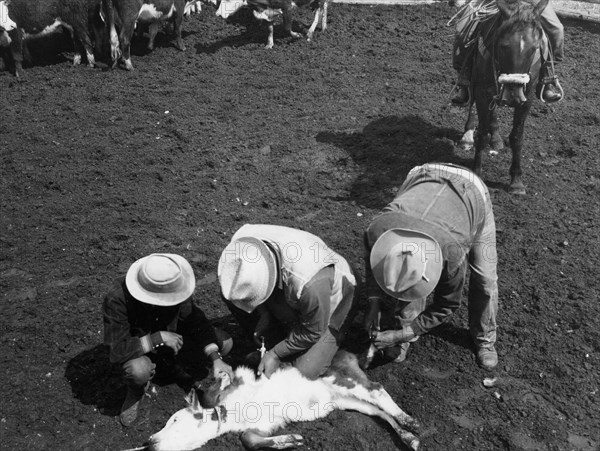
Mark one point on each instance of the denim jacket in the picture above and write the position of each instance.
(451, 209)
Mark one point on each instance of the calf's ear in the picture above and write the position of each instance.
(540, 7)
(193, 401)
(225, 381)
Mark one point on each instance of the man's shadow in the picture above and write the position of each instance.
(387, 149)
(95, 381)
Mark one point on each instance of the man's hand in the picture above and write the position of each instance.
(220, 368)
(269, 364)
(390, 338)
(262, 326)
(172, 340)
(373, 316)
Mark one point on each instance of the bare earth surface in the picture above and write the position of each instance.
(99, 168)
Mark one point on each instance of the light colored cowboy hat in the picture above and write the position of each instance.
(161, 279)
(247, 273)
(406, 264)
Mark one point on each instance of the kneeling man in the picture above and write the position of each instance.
(296, 293)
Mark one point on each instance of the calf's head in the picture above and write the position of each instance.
(189, 428)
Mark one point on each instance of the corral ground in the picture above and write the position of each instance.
(99, 168)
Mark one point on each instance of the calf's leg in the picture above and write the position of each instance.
(254, 439)
(351, 403)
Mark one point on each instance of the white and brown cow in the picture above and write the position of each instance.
(269, 10)
(131, 13)
(6, 23)
(36, 19)
(258, 407)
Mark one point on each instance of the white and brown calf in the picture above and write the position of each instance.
(258, 407)
(269, 10)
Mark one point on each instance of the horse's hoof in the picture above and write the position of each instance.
(517, 190)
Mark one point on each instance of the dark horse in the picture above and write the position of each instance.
(506, 69)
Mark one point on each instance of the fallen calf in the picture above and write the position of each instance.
(257, 407)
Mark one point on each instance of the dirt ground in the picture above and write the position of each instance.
(99, 168)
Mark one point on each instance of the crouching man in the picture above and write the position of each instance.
(440, 222)
(296, 293)
(149, 316)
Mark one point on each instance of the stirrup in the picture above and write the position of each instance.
(469, 98)
(554, 81)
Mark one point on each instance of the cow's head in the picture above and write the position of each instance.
(229, 7)
(190, 428)
(6, 23)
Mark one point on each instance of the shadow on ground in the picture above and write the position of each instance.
(396, 144)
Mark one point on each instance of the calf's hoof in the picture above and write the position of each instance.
(518, 190)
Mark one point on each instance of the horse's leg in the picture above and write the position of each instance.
(468, 138)
(482, 138)
(516, 145)
(496, 141)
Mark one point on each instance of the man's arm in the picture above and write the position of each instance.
(196, 328)
(313, 308)
(117, 331)
(446, 300)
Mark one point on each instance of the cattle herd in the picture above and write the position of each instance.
(92, 23)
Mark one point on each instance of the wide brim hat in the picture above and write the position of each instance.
(247, 273)
(406, 264)
(161, 279)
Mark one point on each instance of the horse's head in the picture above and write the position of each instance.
(518, 40)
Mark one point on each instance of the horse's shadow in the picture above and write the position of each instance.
(387, 149)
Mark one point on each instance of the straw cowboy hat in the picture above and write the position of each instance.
(406, 264)
(247, 273)
(161, 279)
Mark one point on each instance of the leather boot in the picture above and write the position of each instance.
(131, 405)
(461, 96)
(487, 358)
(551, 93)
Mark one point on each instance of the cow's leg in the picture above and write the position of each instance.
(83, 38)
(254, 439)
(178, 25)
(270, 41)
(313, 27)
(288, 18)
(468, 138)
(125, 38)
(351, 403)
(17, 50)
(516, 145)
(152, 32)
(324, 15)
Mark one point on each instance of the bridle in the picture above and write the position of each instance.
(501, 79)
